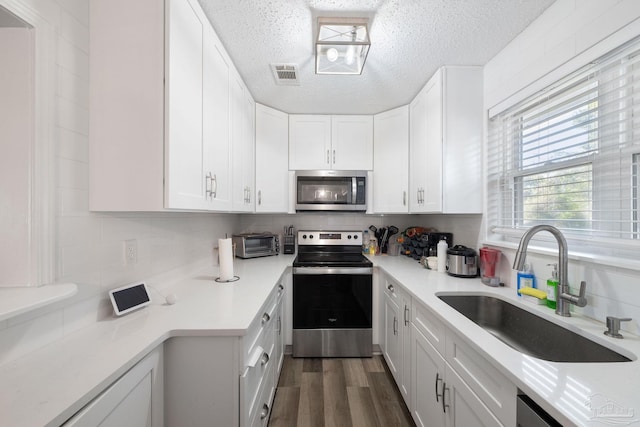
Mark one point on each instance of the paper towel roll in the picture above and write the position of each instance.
(225, 250)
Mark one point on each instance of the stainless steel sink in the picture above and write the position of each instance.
(528, 333)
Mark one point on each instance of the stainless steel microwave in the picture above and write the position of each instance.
(253, 245)
(331, 190)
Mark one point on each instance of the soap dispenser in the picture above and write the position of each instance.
(552, 287)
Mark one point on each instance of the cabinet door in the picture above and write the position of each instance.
(428, 369)
(352, 142)
(185, 173)
(405, 377)
(216, 124)
(136, 399)
(392, 336)
(309, 142)
(433, 143)
(242, 145)
(272, 160)
(463, 407)
(391, 161)
(418, 163)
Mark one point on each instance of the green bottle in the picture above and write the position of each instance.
(552, 287)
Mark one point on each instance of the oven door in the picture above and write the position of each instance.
(330, 298)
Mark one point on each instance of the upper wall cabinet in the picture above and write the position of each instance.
(330, 142)
(243, 146)
(445, 143)
(272, 145)
(160, 100)
(391, 161)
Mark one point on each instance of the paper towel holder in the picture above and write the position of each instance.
(233, 279)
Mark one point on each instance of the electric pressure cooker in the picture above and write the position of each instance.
(462, 261)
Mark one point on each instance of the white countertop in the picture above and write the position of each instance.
(568, 391)
(48, 386)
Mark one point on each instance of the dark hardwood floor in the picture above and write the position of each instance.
(338, 393)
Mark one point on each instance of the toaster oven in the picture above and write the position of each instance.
(253, 245)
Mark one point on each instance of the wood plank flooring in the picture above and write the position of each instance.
(338, 393)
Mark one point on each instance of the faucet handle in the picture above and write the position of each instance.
(613, 326)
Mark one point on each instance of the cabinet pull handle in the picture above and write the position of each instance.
(249, 195)
(265, 318)
(259, 197)
(214, 186)
(404, 198)
(444, 396)
(280, 288)
(390, 287)
(438, 379)
(334, 156)
(207, 185)
(395, 325)
(265, 359)
(327, 156)
(264, 412)
(406, 315)
(279, 325)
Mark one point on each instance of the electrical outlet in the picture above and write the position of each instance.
(130, 251)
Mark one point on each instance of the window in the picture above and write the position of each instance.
(569, 157)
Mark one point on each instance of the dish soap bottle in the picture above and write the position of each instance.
(552, 287)
(526, 278)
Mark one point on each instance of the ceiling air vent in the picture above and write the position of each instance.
(285, 74)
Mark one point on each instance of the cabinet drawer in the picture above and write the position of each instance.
(260, 413)
(255, 378)
(427, 323)
(265, 319)
(492, 387)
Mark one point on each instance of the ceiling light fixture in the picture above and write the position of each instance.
(342, 45)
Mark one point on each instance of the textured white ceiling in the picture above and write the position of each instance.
(410, 39)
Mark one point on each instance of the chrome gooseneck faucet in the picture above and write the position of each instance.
(563, 295)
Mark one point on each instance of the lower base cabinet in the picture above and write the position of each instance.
(135, 399)
(443, 380)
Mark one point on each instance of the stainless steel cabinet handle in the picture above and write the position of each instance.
(327, 156)
(406, 315)
(265, 411)
(279, 325)
(265, 359)
(207, 185)
(390, 287)
(265, 318)
(280, 287)
(214, 186)
(444, 397)
(404, 198)
(259, 197)
(395, 325)
(438, 379)
(334, 156)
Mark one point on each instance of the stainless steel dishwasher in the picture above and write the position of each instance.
(530, 414)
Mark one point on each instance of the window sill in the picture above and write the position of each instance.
(16, 301)
(597, 259)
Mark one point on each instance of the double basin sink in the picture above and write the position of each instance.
(528, 333)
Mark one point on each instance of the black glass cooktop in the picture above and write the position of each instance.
(331, 259)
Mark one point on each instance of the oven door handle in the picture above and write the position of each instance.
(332, 270)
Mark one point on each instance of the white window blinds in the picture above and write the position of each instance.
(568, 156)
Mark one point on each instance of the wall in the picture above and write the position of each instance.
(89, 246)
(569, 34)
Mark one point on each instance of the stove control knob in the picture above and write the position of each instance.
(355, 236)
(349, 236)
(311, 236)
(304, 236)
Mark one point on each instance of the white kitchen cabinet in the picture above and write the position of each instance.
(391, 161)
(318, 142)
(226, 381)
(272, 160)
(397, 335)
(135, 399)
(445, 143)
(159, 122)
(243, 145)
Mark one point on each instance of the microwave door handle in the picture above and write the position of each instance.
(354, 190)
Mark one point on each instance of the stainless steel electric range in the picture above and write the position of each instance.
(332, 296)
